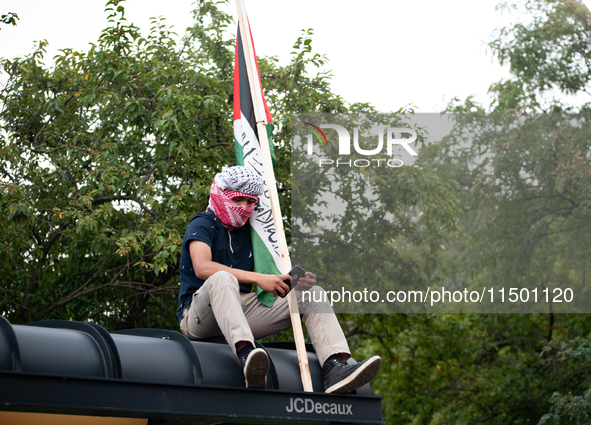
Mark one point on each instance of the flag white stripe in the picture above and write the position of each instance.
(261, 220)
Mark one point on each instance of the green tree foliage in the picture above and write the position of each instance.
(106, 154)
(464, 369)
(525, 196)
(529, 229)
(549, 50)
(9, 19)
(527, 218)
(568, 408)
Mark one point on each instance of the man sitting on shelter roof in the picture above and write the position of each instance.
(215, 299)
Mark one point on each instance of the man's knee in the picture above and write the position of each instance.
(223, 280)
(315, 294)
(315, 300)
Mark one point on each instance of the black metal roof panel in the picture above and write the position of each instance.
(79, 368)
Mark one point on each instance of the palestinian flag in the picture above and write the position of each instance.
(248, 153)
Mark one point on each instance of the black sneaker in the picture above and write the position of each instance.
(256, 366)
(341, 378)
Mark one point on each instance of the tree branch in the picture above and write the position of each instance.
(6, 173)
(104, 199)
(78, 292)
(26, 305)
(218, 144)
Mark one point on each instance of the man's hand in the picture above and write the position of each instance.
(306, 282)
(273, 283)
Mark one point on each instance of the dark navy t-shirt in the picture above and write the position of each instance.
(232, 248)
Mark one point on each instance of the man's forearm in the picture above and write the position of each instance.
(208, 268)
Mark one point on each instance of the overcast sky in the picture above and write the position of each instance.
(388, 53)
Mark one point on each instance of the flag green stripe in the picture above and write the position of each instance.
(263, 263)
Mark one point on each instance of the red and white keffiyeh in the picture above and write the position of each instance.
(232, 215)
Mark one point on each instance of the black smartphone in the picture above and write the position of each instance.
(296, 272)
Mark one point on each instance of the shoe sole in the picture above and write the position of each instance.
(358, 379)
(256, 369)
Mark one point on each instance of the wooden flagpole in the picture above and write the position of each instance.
(261, 121)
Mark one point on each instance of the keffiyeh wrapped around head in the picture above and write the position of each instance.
(240, 179)
(232, 183)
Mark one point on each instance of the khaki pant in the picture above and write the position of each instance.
(219, 308)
